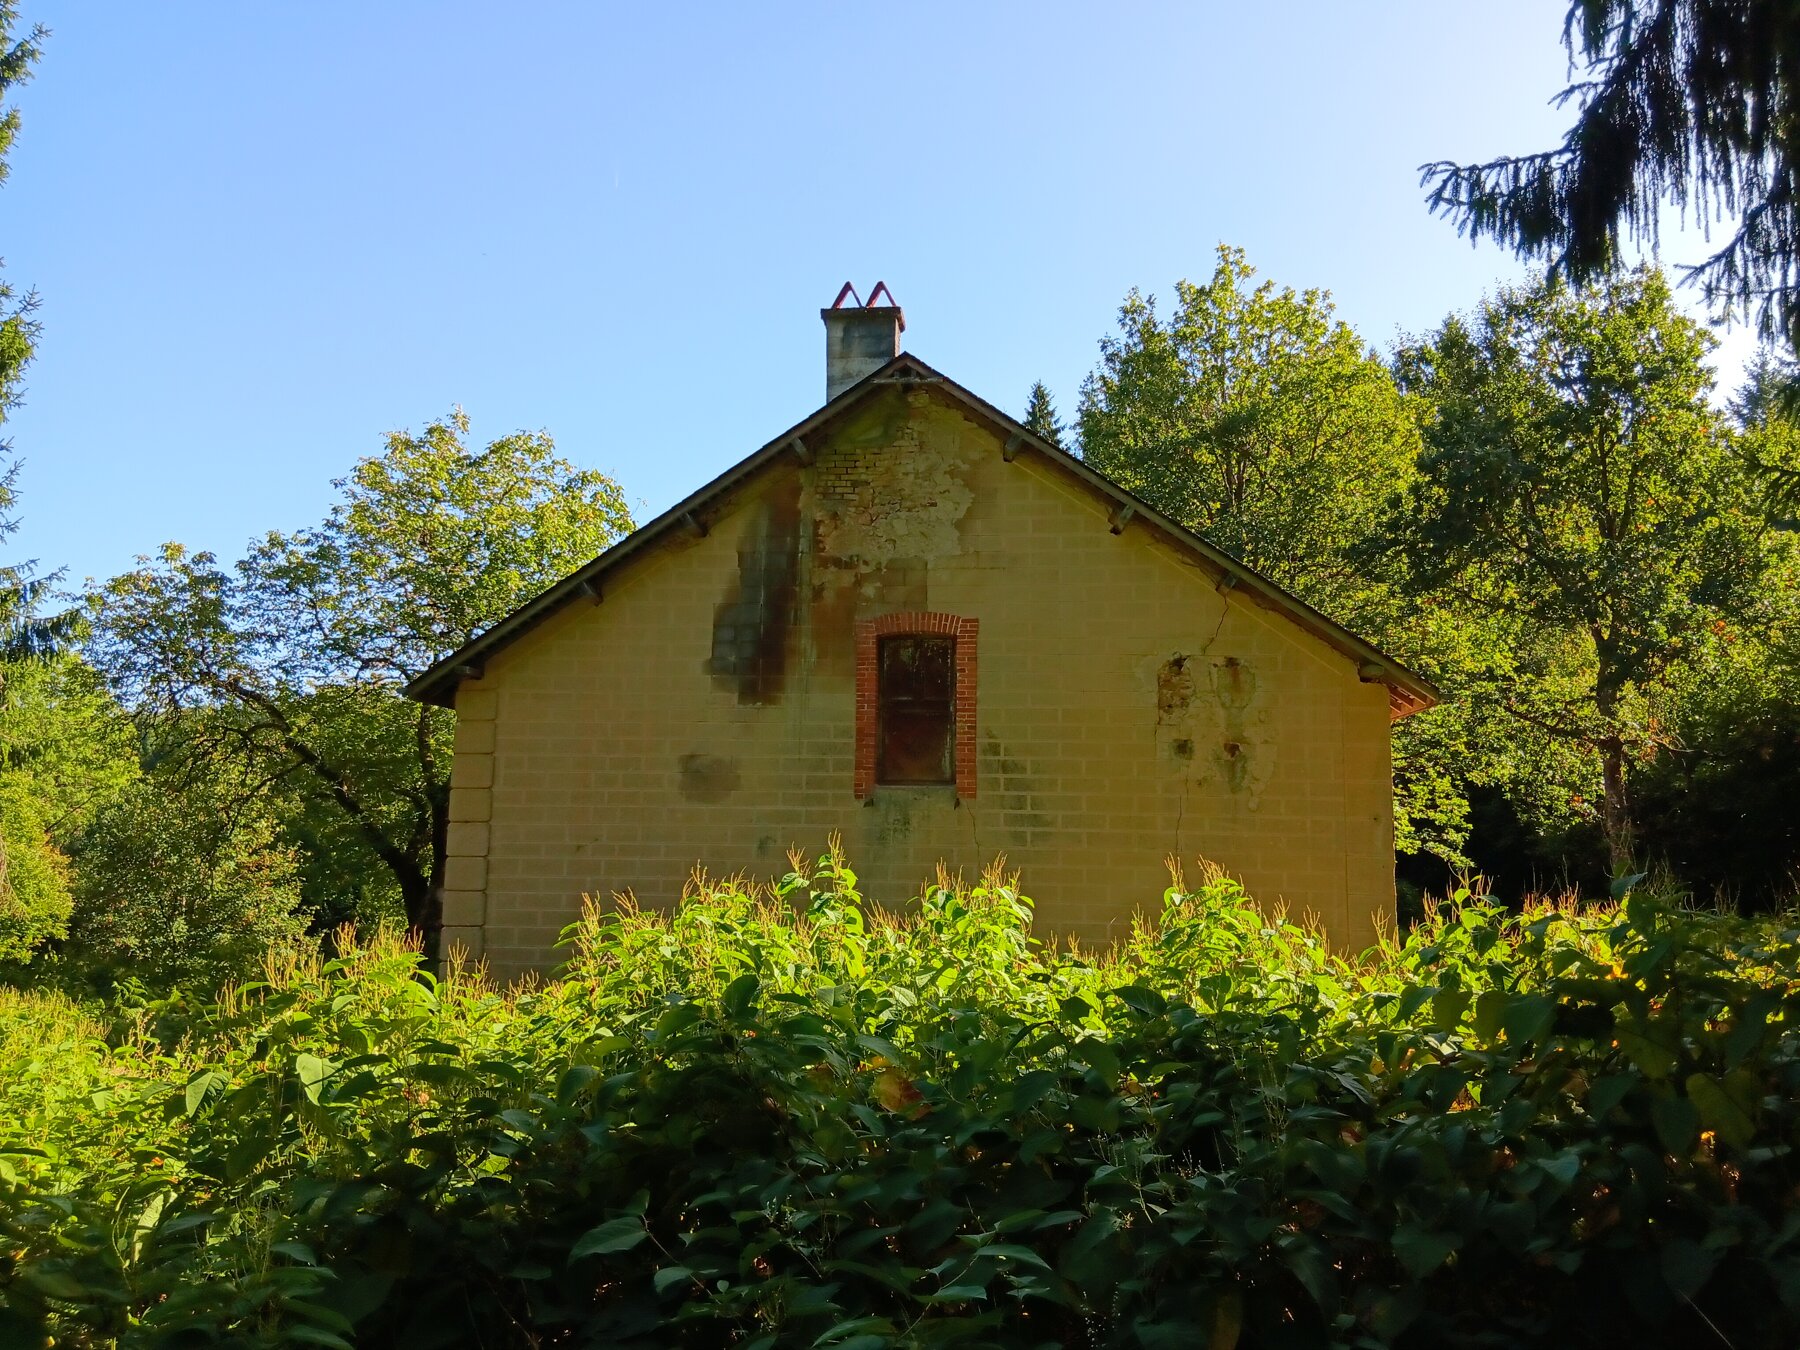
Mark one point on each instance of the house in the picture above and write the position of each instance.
(910, 620)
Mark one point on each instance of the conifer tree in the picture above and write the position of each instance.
(22, 633)
(1040, 415)
(1691, 103)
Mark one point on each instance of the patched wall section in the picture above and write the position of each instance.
(704, 713)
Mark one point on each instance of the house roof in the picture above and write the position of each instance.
(1407, 691)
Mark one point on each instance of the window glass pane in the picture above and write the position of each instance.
(916, 700)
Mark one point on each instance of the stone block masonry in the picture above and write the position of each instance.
(1123, 707)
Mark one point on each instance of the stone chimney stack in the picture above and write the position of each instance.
(859, 338)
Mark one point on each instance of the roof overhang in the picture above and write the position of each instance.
(1408, 692)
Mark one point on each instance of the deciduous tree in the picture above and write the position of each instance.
(290, 665)
(1256, 417)
(1578, 488)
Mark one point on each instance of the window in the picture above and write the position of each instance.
(915, 702)
(915, 710)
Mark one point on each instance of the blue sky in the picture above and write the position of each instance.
(265, 235)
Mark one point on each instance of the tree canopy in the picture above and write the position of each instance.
(1254, 416)
(288, 667)
(1578, 485)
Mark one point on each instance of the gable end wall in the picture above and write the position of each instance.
(1128, 710)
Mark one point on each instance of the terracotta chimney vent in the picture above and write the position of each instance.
(859, 338)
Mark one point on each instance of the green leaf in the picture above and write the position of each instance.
(1422, 1250)
(615, 1235)
(311, 1335)
(676, 1019)
(1561, 1167)
(1528, 1019)
(185, 1223)
(1727, 1107)
(1608, 1091)
(1449, 1006)
(199, 1086)
(1687, 1266)
(312, 1073)
(740, 995)
(670, 1276)
(1655, 1059)
(1007, 1251)
(1415, 997)
(1677, 1123)
(957, 1293)
(1489, 1009)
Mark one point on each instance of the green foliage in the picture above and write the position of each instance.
(1679, 102)
(786, 1120)
(285, 672)
(23, 632)
(1579, 492)
(59, 750)
(1254, 417)
(1717, 796)
(182, 884)
(1040, 415)
(34, 875)
(18, 329)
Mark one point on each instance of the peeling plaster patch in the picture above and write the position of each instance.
(750, 627)
(1174, 691)
(1246, 752)
(892, 490)
(708, 778)
(1212, 726)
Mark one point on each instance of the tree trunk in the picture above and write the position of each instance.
(1615, 805)
(439, 795)
(424, 912)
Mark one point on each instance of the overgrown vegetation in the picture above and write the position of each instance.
(781, 1119)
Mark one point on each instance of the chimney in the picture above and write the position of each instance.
(859, 338)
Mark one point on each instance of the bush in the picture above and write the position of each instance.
(181, 888)
(783, 1119)
(34, 876)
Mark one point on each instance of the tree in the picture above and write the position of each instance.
(34, 875)
(1694, 103)
(183, 885)
(1578, 488)
(289, 667)
(1767, 409)
(1040, 414)
(22, 632)
(1255, 417)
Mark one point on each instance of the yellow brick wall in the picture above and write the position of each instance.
(1129, 709)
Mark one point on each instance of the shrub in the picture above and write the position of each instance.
(781, 1118)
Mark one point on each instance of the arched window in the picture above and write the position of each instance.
(915, 702)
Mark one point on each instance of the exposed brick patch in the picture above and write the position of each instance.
(922, 624)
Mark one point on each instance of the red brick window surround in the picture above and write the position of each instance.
(869, 632)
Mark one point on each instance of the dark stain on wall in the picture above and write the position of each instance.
(751, 625)
(1233, 683)
(1007, 782)
(708, 778)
